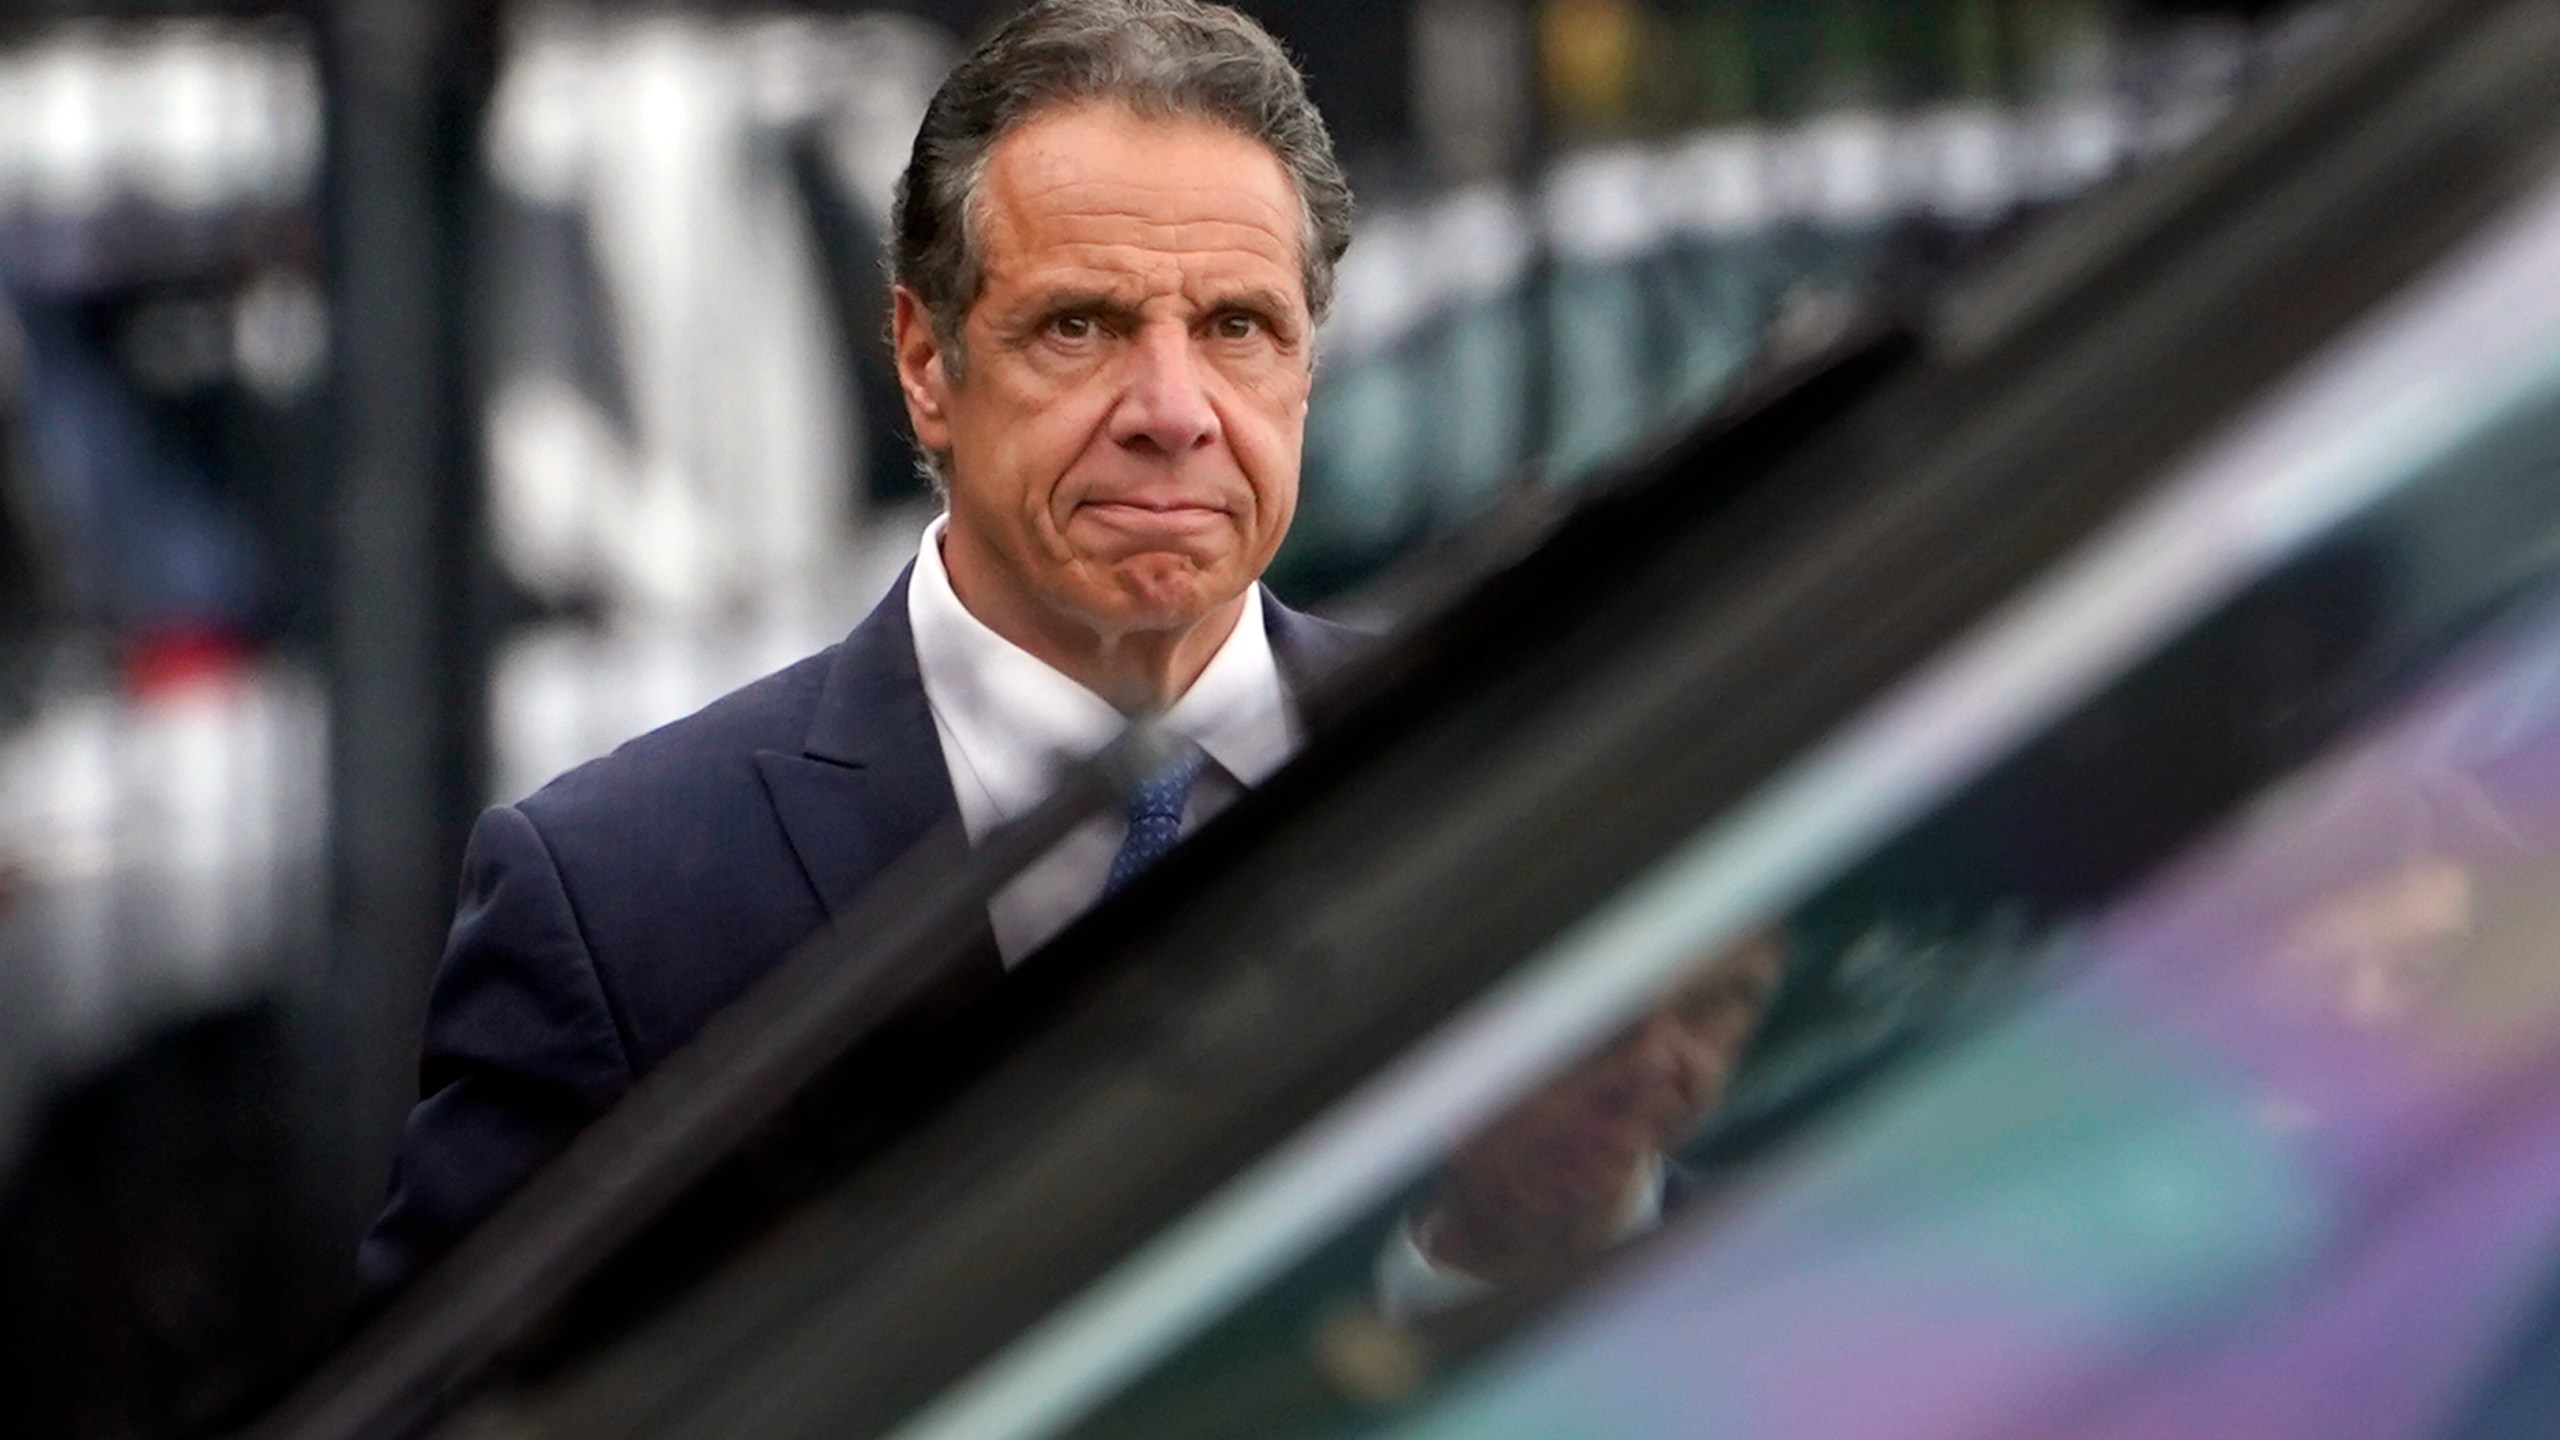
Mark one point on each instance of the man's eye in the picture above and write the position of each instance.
(1072, 327)
(1236, 325)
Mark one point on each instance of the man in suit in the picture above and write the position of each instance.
(1112, 246)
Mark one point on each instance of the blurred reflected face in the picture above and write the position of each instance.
(1124, 426)
(1574, 1145)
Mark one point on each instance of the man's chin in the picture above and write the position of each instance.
(1165, 593)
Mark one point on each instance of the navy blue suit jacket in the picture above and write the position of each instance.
(607, 917)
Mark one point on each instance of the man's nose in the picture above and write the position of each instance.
(1165, 408)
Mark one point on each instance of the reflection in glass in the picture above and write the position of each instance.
(2301, 1083)
(1581, 1163)
(2122, 1093)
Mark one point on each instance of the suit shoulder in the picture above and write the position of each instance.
(1310, 648)
(1335, 633)
(675, 764)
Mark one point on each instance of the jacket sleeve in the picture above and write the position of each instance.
(521, 1050)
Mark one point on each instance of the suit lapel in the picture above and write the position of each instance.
(1307, 651)
(869, 783)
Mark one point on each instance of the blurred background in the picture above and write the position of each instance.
(400, 402)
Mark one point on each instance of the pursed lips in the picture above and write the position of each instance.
(1154, 510)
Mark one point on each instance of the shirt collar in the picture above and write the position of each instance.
(1017, 722)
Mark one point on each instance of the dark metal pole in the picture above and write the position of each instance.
(407, 84)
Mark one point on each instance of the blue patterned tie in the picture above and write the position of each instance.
(1155, 818)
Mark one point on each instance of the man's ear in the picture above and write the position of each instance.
(922, 381)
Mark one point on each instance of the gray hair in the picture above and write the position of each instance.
(1160, 58)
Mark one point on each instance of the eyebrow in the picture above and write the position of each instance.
(1254, 297)
(1037, 309)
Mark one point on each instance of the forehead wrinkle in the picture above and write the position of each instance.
(1151, 201)
(1172, 236)
(1134, 273)
(1012, 235)
(1120, 227)
(1037, 164)
(1043, 156)
(1160, 268)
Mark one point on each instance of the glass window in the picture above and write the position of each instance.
(2043, 1106)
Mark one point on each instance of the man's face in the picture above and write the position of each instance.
(1575, 1145)
(1124, 432)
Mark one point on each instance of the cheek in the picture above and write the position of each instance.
(1268, 434)
(1031, 434)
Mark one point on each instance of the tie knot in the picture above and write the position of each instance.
(1163, 795)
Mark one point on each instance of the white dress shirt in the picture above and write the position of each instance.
(1010, 726)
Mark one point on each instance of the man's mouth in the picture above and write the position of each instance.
(1154, 513)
